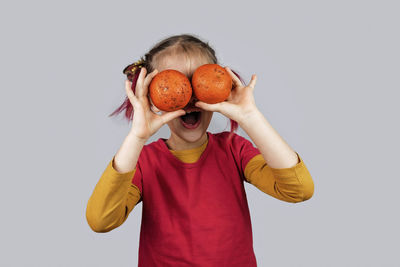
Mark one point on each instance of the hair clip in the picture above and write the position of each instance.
(137, 64)
(131, 69)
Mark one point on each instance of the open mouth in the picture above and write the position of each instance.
(191, 119)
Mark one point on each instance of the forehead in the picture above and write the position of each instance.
(184, 63)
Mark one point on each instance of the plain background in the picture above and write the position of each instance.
(328, 82)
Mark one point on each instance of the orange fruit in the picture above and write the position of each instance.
(170, 90)
(211, 83)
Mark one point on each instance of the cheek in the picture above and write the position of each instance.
(176, 121)
(207, 115)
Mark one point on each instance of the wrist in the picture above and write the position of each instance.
(248, 117)
(139, 140)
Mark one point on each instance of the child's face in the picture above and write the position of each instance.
(179, 133)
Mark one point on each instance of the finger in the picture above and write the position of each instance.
(155, 109)
(235, 79)
(166, 117)
(229, 97)
(208, 107)
(147, 81)
(129, 92)
(253, 81)
(139, 83)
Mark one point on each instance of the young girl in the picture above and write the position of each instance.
(195, 210)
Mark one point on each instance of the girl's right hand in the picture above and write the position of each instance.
(146, 121)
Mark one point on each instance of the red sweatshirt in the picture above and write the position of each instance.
(195, 214)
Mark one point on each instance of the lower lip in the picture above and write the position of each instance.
(191, 126)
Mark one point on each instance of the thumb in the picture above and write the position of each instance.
(208, 107)
(166, 117)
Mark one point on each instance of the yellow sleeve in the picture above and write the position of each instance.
(112, 200)
(293, 184)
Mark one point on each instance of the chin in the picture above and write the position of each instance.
(192, 136)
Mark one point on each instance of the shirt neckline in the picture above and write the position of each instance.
(176, 161)
(191, 151)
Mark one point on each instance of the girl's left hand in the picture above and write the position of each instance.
(240, 102)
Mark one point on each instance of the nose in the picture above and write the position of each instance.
(192, 100)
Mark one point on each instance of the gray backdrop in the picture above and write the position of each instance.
(328, 76)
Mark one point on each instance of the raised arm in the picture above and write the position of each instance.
(115, 195)
(276, 153)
